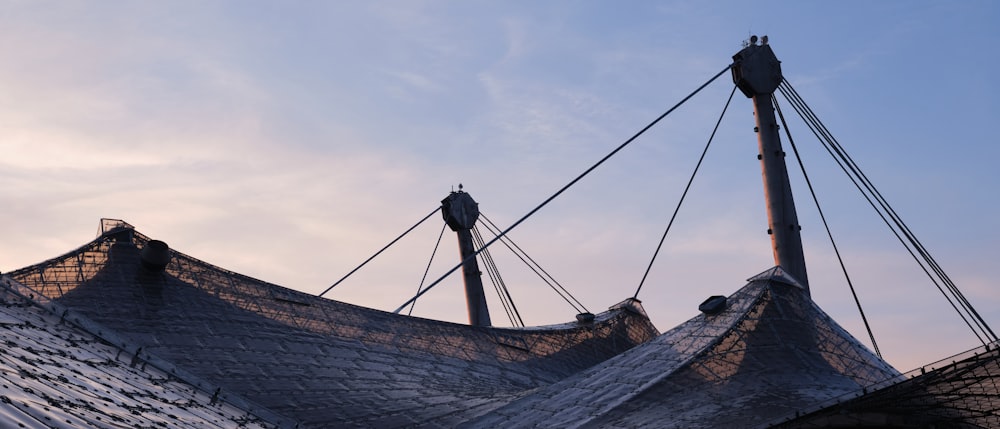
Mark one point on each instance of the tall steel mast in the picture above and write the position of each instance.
(757, 72)
(460, 211)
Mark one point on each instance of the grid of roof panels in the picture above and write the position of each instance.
(962, 392)
(318, 361)
(765, 355)
(53, 375)
(770, 352)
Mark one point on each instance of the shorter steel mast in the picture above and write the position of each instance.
(460, 211)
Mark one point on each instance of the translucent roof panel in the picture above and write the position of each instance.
(55, 375)
(960, 392)
(95, 336)
(770, 352)
(319, 361)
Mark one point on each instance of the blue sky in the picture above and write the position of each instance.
(291, 141)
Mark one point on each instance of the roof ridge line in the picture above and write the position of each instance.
(681, 364)
(640, 388)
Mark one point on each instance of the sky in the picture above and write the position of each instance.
(290, 141)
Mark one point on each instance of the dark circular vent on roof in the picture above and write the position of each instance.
(155, 255)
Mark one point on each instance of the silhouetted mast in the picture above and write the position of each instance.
(460, 211)
(757, 72)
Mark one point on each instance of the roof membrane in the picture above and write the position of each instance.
(97, 338)
(313, 360)
(53, 374)
(770, 352)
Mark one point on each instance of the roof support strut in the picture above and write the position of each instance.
(757, 72)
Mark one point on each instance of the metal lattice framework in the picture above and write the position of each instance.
(315, 360)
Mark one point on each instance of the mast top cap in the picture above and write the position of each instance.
(756, 70)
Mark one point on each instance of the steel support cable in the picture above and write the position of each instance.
(812, 126)
(484, 258)
(571, 183)
(536, 268)
(380, 252)
(428, 269)
(872, 190)
(810, 119)
(826, 225)
(507, 242)
(477, 241)
(838, 152)
(924, 253)
(684, 194)
(499, 284)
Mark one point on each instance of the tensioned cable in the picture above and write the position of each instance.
(380, 252)
(428, 269)
(889, 225)
(498, 283)
(477, 240)
(838, 152)
(684, 194)
(571, 183)
(536, 268)
(826, 225)
(811, 120)
(801, 109)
